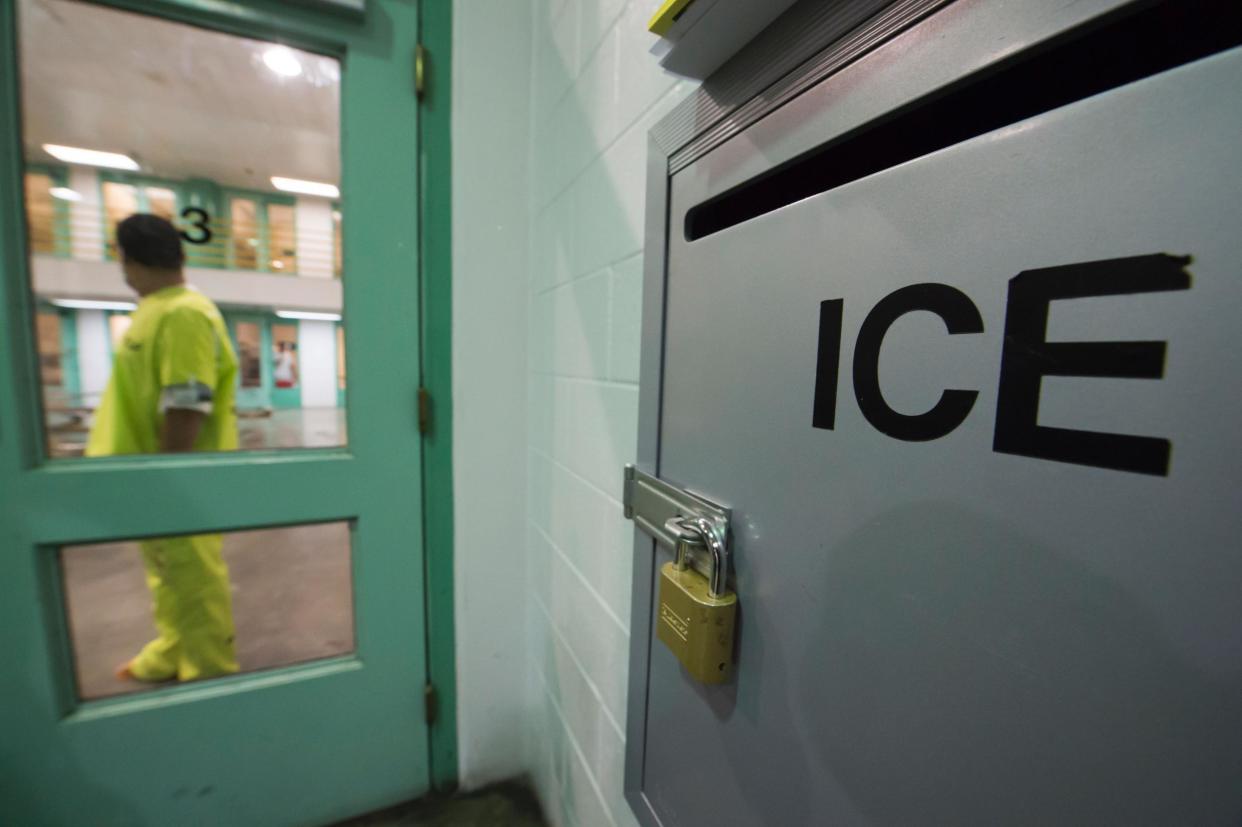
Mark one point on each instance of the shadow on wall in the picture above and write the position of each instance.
(988, 680)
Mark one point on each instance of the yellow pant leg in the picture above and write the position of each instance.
(193, 610)
(158, 659)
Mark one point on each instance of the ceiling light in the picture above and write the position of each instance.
(305, 187)
(65, 194)
(90, 157)
(91, 304)
(306, 314)
(282, 61)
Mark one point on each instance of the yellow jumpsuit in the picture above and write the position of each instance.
(176, 354)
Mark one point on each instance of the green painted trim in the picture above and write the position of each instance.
(436, 240)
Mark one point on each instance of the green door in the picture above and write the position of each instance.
(253, 346)
(341, 730)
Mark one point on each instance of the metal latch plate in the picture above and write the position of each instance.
(650, 501)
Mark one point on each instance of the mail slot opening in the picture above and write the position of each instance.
(1120, 48)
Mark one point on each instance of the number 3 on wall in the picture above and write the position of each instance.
(198, 219)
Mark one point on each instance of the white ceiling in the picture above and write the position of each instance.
(183, 102)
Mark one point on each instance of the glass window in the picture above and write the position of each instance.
(285, 355)
(120, 202)
(162, 202)
(249, 346)
(40, 213)
(274, 597)
(282, 242)
(212, 170)
(50, 369)
(244, 224)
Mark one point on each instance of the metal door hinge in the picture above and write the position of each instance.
(424, 411)
(429, 704)
(420, 71)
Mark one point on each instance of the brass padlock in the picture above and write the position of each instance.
(697, 613)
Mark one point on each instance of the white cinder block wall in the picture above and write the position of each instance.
(491, 181)
(593, 93)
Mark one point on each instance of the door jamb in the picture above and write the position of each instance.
(435, 248)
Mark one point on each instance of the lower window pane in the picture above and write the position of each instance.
(163, 611)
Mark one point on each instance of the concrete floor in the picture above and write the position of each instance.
(292, 602)
(293, 428)
(503, 805)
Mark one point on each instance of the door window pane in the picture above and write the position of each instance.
(207, 174)
(40, 213)
(192, 608)
(282, 246)
(50, 370)
(245, 229)
(120, 202)
(162, 202)
(285, 355)
(249, 346)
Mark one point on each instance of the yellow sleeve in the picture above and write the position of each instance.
(187, 360)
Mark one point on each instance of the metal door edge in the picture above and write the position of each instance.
(650, 392)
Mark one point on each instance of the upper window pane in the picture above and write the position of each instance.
(181, 194)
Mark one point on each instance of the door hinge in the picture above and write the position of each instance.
(429, 704)
(424, 411)
(420, 71)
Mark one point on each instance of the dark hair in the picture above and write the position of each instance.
(150, 240)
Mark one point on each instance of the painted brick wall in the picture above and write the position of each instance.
(595, 92)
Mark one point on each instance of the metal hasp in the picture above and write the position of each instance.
(651, 503)
(697, 611)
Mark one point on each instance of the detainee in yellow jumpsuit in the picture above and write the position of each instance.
(172, 389)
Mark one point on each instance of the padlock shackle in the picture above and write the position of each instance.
(705, 532)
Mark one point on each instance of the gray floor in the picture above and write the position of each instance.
(290, 428)
(504, 805)
(293, 428)
(292, 602)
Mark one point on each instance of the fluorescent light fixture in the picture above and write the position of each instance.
(65, 194)
(309, 316)
(90, 157)
(282, 61)
(91, 304)
(305, 187)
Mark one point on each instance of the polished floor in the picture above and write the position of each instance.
(504, 805)
(292, 602)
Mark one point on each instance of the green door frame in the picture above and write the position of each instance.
(435, 244)
(34, 687)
